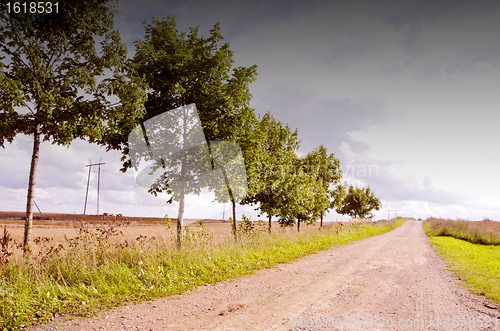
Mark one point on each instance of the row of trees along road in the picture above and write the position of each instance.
(56, 86)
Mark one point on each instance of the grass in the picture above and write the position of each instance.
(477, 265)
(471, 250)
(97, 269)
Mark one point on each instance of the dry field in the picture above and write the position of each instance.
(57, 226)
(486, 232)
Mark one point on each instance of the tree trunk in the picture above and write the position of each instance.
(180, 217)
(321, 222)
(235, 232)
(182, 191)
(269, 227)
(298, 225)
(28, 224)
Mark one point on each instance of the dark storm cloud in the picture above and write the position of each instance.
(236, 17)
(483, 59)
(242, 18)
(409, 42)
(476, 45)
(467, 60)
(400, 13)
(322, 119)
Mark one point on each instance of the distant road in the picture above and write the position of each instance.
(393, 281)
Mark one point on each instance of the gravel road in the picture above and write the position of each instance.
(393, 281)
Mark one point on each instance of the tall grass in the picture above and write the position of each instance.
(98, 269)
(486, 232)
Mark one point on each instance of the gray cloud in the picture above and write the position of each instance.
(323, 120)
(391, 189)
(428, 11)
(396, 187)
(236, 17)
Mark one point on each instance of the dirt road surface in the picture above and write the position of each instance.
(390, 282)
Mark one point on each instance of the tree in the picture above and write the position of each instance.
(273, 155)
(359, 202)
(183, 69)
(52, 82)
(303, 196)
(327, 170)
(238, 163)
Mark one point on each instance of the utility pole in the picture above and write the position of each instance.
(90, 165)
(38, 209)
(389, 212)
(87, 194)
(99, 184)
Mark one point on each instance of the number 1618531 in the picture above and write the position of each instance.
(33, 7)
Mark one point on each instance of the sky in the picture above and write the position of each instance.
(404, 93)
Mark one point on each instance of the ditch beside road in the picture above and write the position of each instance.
(391, 281)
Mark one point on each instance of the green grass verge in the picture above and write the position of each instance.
(477, 265)
(96, 273)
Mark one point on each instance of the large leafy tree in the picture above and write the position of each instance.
(246, 138)
(359, 202)
(52, 83)
(327, 170)
(303, 197)
(274, 154)
(183, 69)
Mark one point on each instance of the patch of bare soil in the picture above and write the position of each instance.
(390, 282)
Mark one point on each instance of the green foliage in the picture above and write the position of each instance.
(294, 189)
(311, 187)
(359, 202)
(52, 82)
(302, 197)
(195, 239)
(246, 225)
(248, 229)
(50, 67)
(182, 69)
(187, 69)
(271, 157)
(326, 169)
